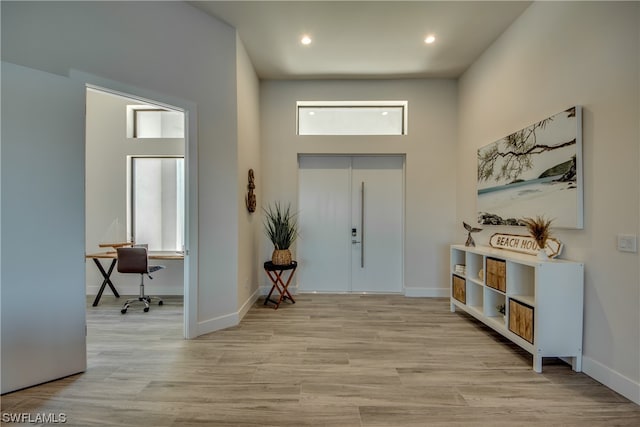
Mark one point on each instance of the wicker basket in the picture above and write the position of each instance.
(281, 257)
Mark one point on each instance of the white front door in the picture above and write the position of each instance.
(351, 224)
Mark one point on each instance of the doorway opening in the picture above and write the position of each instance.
(134, 165)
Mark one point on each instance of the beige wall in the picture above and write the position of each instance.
(556, 55)
(430, 149)
(249, 227)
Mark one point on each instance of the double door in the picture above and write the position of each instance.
(351, 211)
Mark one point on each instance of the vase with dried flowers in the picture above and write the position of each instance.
(540, 229)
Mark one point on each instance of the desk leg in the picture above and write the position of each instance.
(106, 281)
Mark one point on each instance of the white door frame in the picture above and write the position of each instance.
(190, 323)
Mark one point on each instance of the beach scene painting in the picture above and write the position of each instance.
(534, 171)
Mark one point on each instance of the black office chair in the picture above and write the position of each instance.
(136, 260)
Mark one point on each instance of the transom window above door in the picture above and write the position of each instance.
(352, 117)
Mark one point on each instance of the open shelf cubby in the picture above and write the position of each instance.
(475, 264)
(494, 299)
(524, 285)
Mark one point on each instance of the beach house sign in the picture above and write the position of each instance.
(524, 244)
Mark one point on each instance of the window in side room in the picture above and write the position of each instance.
(157, 202)
(148, 122)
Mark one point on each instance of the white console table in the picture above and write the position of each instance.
(543, 299)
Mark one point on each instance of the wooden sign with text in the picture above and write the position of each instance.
(524, 244)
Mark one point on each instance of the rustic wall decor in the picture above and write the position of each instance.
(250, 199)
(525, 244)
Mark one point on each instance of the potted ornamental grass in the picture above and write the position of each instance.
(281, 226)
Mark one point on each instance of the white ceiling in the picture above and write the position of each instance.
(364, 39)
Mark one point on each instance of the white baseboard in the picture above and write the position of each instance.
(612, 379)
(426, 292)
(227, 320)
(408, 292)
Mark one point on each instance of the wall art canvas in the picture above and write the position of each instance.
(534, 171)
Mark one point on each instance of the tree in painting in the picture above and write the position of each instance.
(516, 153)
(533, 171)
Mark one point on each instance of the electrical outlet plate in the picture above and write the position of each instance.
(627, 243)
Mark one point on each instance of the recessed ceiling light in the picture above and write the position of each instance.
(430, 39)
(305, 40)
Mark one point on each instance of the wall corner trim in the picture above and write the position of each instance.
(248, 304)
(217, 323)
(227, 320)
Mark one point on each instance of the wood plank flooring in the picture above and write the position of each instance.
(328, 360)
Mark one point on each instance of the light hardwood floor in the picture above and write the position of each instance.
(328, 360)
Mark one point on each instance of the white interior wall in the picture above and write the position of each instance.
(430, 149)
(168, 48)
(250, 225)
(554, 56)
(107, 148)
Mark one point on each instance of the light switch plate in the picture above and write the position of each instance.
(627, 243)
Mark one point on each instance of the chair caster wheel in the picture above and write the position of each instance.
(160, 303)
(123, 311)
(146, 309)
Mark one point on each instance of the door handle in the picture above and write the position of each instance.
(362, 225)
